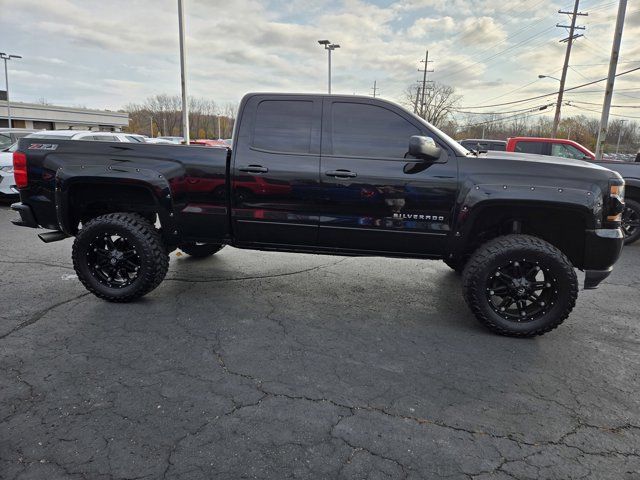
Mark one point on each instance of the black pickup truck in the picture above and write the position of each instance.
(339, 175)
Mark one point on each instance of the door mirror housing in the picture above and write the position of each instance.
(424, 148)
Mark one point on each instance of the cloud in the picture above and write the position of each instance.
(108, 54)
(432, 27)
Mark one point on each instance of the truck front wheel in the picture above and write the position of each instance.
(631, 221)
(520, 285)
(120, 256)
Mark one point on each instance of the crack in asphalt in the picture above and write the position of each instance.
(41, 313)
(253, 277)
(36, 262)
(561, 442)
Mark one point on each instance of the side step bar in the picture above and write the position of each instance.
(55, 236)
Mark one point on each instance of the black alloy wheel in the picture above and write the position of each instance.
(521, 291)
(631, 221)
(113, 260)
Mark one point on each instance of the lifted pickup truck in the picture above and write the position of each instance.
(341, 175)
(561, 147)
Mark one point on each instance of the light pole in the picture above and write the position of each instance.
(329, 47)
(183, 74)
(619, 135)
(5, 57)
(556, 119)
(549, 76)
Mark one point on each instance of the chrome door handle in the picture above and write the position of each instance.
(341, 173)
(254, 169)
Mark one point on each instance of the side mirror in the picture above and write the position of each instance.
(424, 148)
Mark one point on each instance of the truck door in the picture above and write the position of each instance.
(373, 198)
(275, 171)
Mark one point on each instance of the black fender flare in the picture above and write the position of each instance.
(154, 182)
(475, 199)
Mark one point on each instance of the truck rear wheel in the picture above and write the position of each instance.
(520, 285)
(631, 221)
(120, 257)
(200, 250)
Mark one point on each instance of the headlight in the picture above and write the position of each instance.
(7, 169)
(616, 201)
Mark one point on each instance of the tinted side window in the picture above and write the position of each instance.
(133, 139)
(5, 140)
(364, 130)
(284, 126)
(105, 138)
(530, 147)
(498, 147)
(566, 151)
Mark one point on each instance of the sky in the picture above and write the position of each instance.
(109, 53)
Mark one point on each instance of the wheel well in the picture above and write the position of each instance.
(87, 201)
(632, 192)
(563, 228)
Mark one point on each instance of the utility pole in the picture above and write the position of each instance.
(5, 57)
(572, 36)
(619, 136)
(608, 93)
(183, 74)
(415, 105)
(424, 80)
(375, 88)
(151, 126)
(219, 130)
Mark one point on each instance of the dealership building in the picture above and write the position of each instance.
(50, 117)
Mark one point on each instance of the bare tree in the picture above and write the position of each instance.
(163, 114)
(439, 102)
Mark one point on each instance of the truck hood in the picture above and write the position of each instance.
(545, 159)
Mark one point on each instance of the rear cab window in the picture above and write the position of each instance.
(567, 151)
(530, 147)
(283, 126)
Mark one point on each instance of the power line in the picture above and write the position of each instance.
(495, 55)
(533, 113)
(540, 107)
(554, 93)
(600, 104)
(598, 111)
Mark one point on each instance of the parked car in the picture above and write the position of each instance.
(568, 149)
(176, 140)
(9, 136)
(160, 141)
(88, 135)
(7, 182)
(557, 147)
(210, 143)
(516, 227)
(484, 145)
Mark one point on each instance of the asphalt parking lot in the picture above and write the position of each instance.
(269, 365)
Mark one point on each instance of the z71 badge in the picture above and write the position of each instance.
(43, 146)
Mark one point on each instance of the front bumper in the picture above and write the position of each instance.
(602, 250)
(26, 216)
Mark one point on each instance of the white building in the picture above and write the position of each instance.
(50, 117)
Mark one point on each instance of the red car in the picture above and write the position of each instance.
(210, 143)
(557, 147)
